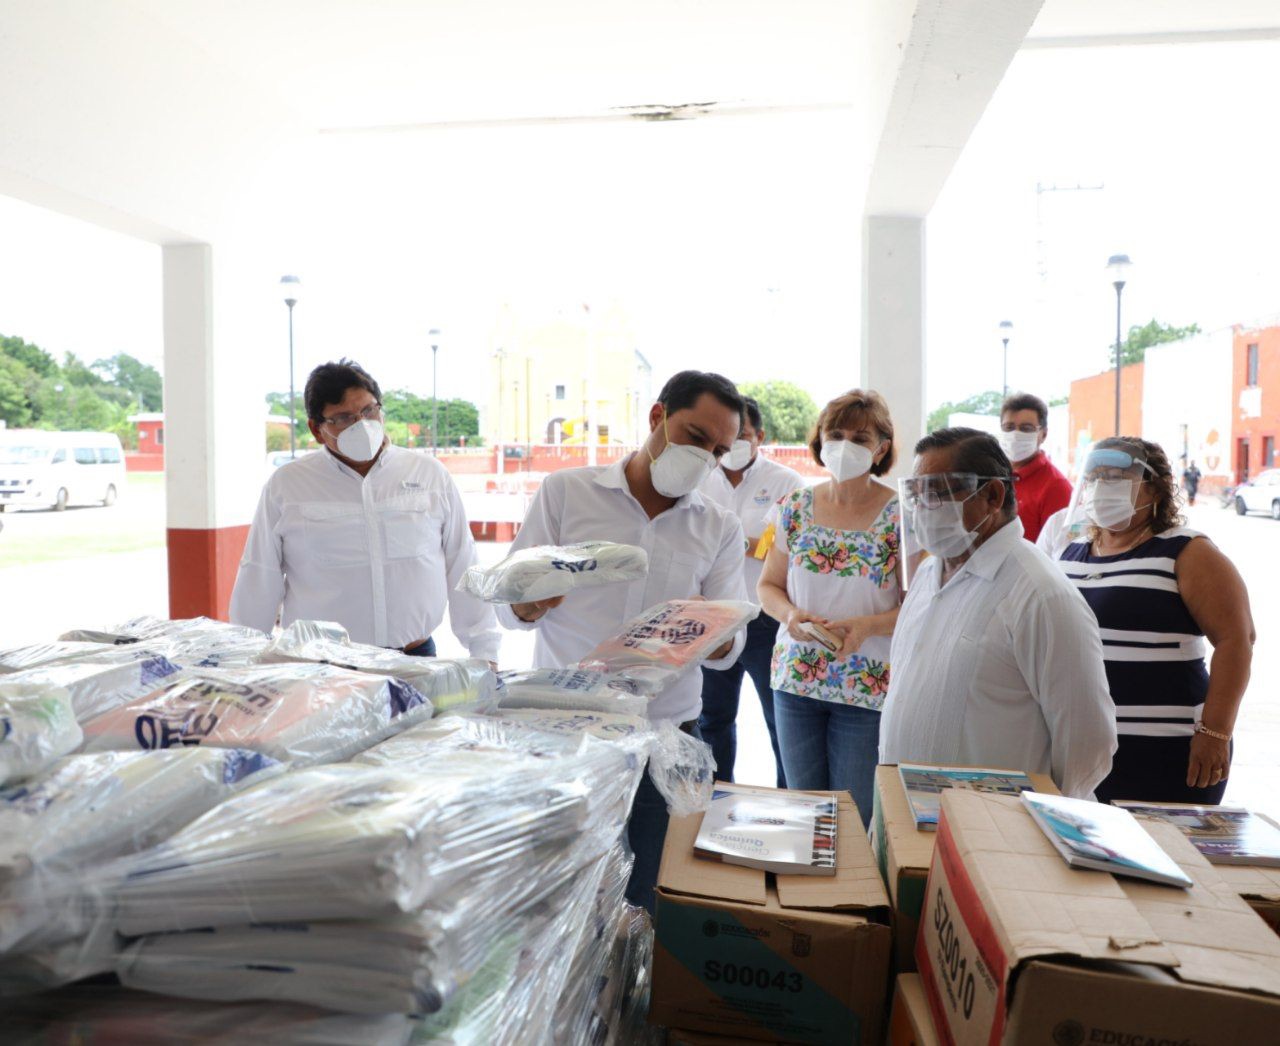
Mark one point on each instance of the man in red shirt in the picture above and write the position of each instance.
(1042, 489)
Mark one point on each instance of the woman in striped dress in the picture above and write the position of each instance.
(1158, 590)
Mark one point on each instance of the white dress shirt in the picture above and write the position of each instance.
(1001, 667)
(695, 549)
(754, 501)
(380, 554)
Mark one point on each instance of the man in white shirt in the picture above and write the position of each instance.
(997, 660)
(650, 499)
(749, 485)
(363, 533)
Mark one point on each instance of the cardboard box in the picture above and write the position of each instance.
(1016, 947)
(788, 958)
(904, 854)
(911, 1023)
(1260, 888)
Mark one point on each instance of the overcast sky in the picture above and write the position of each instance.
(733, 243)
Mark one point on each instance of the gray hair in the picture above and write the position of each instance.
(977, 452)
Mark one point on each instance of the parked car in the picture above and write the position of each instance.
(56, 469)
(1260, 494)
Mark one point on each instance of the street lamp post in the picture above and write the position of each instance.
(1118, 266)
(1005, 332)
(434, 334)
(292, 287)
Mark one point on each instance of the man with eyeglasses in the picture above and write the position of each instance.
(996, 661)
(367, 534)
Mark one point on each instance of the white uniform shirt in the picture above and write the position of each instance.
(1002, 667)
(695, 549)
(754, 501)
(379, 554)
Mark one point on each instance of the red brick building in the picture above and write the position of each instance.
(1255, 395)
(1091, 409)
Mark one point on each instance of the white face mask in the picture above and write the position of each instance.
(1109, 503)
(739, 456)
(845, 459)
(680, 468)
(941, 531)
(1019, 446)
(360, 442)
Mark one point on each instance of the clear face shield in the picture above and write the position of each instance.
(1107, 495)
(931, 517)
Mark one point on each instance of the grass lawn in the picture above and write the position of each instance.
(137, 522)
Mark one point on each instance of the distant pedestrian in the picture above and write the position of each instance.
(1191, 482)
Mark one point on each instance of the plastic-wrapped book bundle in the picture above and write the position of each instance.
(99, 681)
(301, 714)
(197, 642)
(548, 571)
(658, 646)
(98, 1015)
(570, 688)
(37, 725)
(58, 829)
(450, 686)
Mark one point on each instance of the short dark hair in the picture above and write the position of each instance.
(329, 382)
(682, 391)
(1026, 401)
(751, 411)
(976, 452)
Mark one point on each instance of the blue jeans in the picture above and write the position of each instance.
(427, 649)
(720, 692)
(646, 834)
(829, 747)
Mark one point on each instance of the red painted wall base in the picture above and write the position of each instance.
(202, 570)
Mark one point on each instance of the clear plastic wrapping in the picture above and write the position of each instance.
(300, 713)
(658, 646)
(57, 829)
(37, 726)
(99, 1015)
(681, 766)
(570, 688)
(462, 685)
(99, 681)
(359, 842)
(548, 571)
(22, 658)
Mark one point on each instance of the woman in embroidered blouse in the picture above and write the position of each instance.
(835, 562)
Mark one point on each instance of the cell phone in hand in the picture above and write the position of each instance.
(822, 635)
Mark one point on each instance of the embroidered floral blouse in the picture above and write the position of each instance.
(837, 574)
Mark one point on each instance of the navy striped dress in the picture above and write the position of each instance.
(1154, 653)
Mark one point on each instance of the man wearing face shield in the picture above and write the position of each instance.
(996, 662)
(695, 549)
(749, 485)
(363, 533)
(1158, 589)
(1042, 489)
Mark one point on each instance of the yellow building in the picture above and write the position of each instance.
(562, 374)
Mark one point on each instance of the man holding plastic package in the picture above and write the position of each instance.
(750, 486)
(695, 549)
(996, 662)
(363, 533)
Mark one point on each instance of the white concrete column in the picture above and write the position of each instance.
(893, 323)
(213, 439)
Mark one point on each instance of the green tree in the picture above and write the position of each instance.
(30, 356)
(458, 418)
(1141, 338)
(15, 403)
(788, 412)
(141, 381)
(981, 403)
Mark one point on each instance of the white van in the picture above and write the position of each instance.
(56, 469)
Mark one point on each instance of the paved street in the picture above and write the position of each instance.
(49, 596)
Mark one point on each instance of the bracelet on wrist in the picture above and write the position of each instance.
(1215, 734)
